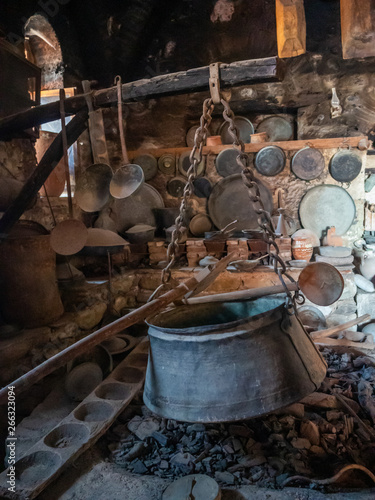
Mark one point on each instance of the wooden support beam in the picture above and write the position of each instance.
(50, 159)
(331, 143)
(193, 80)
(357, 28)
(291, 28)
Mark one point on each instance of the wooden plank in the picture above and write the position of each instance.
(357, 28)
(127, 378)
(331, 143)
(290, 28)
(193, 80)
(50, 159)
(345, 343)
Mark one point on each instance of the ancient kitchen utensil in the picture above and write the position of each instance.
(327, 205)
(102, 241)
(148, 164)
(202, 187)
(230, 201)
(345, 166)
(307, 163)
(129, 178)
(302, 248)
(140, 233)
(175, 186)
(184, 164)
(312, 317)
(270, 161)
(321, 283)
(277, 128)
(244, 126)
(69, 236)
(200, 224)
(308, 233)
(137, 208)
(92, 187)
(226, 162)
(228, 332)
(167, 164)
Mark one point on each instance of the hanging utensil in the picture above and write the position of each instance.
(245, 128)
(68, 237)
(226, 162)
(184, 164)
(129, 177)
(270, 161)
(92, 187)
(345, 166)
(277, 128)
(308, 163)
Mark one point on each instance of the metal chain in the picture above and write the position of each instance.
(196, 157)
(264, 217)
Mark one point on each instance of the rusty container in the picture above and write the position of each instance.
(228, 361)
(29, 295)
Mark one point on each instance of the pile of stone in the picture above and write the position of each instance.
(312, 438)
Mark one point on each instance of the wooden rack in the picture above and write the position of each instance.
(332, 143)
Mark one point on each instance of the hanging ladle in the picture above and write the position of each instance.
(92, 186)
(129, 177)
(69, 236)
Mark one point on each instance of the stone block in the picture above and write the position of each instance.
(225, 282)
(365, 303)
(122, 284)
(150, 281)
(91, 316)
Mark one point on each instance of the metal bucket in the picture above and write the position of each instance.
(229, 361)
(29, 295)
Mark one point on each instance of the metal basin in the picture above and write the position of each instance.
(229, 361)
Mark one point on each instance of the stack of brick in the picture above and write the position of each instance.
(195, 251)
(157, 251)
(239, 248)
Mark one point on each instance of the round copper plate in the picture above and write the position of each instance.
(345, 166)
(175, 186)
(277, 128)
(270, 161)
(148, 164)
(126, 181)
(202, 187)
(321, 283)
(185, 163)
(167, 164)
(308, 163)
(69, 237)
(226, 162)
(245, 128)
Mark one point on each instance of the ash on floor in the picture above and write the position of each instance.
(314, 440)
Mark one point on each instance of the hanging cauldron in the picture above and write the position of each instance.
(229, 361)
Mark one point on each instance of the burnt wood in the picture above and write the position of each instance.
(237, 73)
(50, 159)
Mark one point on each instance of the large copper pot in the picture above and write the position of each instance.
(229, 361)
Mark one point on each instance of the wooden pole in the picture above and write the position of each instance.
(87, 343)
(183, 82)
(290, 28)
(50, 159)
(321, 334)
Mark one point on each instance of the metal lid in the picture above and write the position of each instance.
(321, 283)
(175, 186)
(200, 224)
(245, 127)
(277, 128)
(308, 163)
(345, 166)
(184, 164)
(226, 162)
(69, 237)
(167, 164)
(148, 164)
(202, 187)
(270, 161)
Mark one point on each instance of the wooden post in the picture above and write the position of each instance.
(291, 28)
(357, 28)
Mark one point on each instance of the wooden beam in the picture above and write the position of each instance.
(50, 159)
(331, 143)
(290, 28)
(357, 28)
(193, 80)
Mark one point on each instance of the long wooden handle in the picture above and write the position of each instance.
(321, 334)
(65, 151)
(241, 294)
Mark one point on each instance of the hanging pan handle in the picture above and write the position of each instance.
(120, 120)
